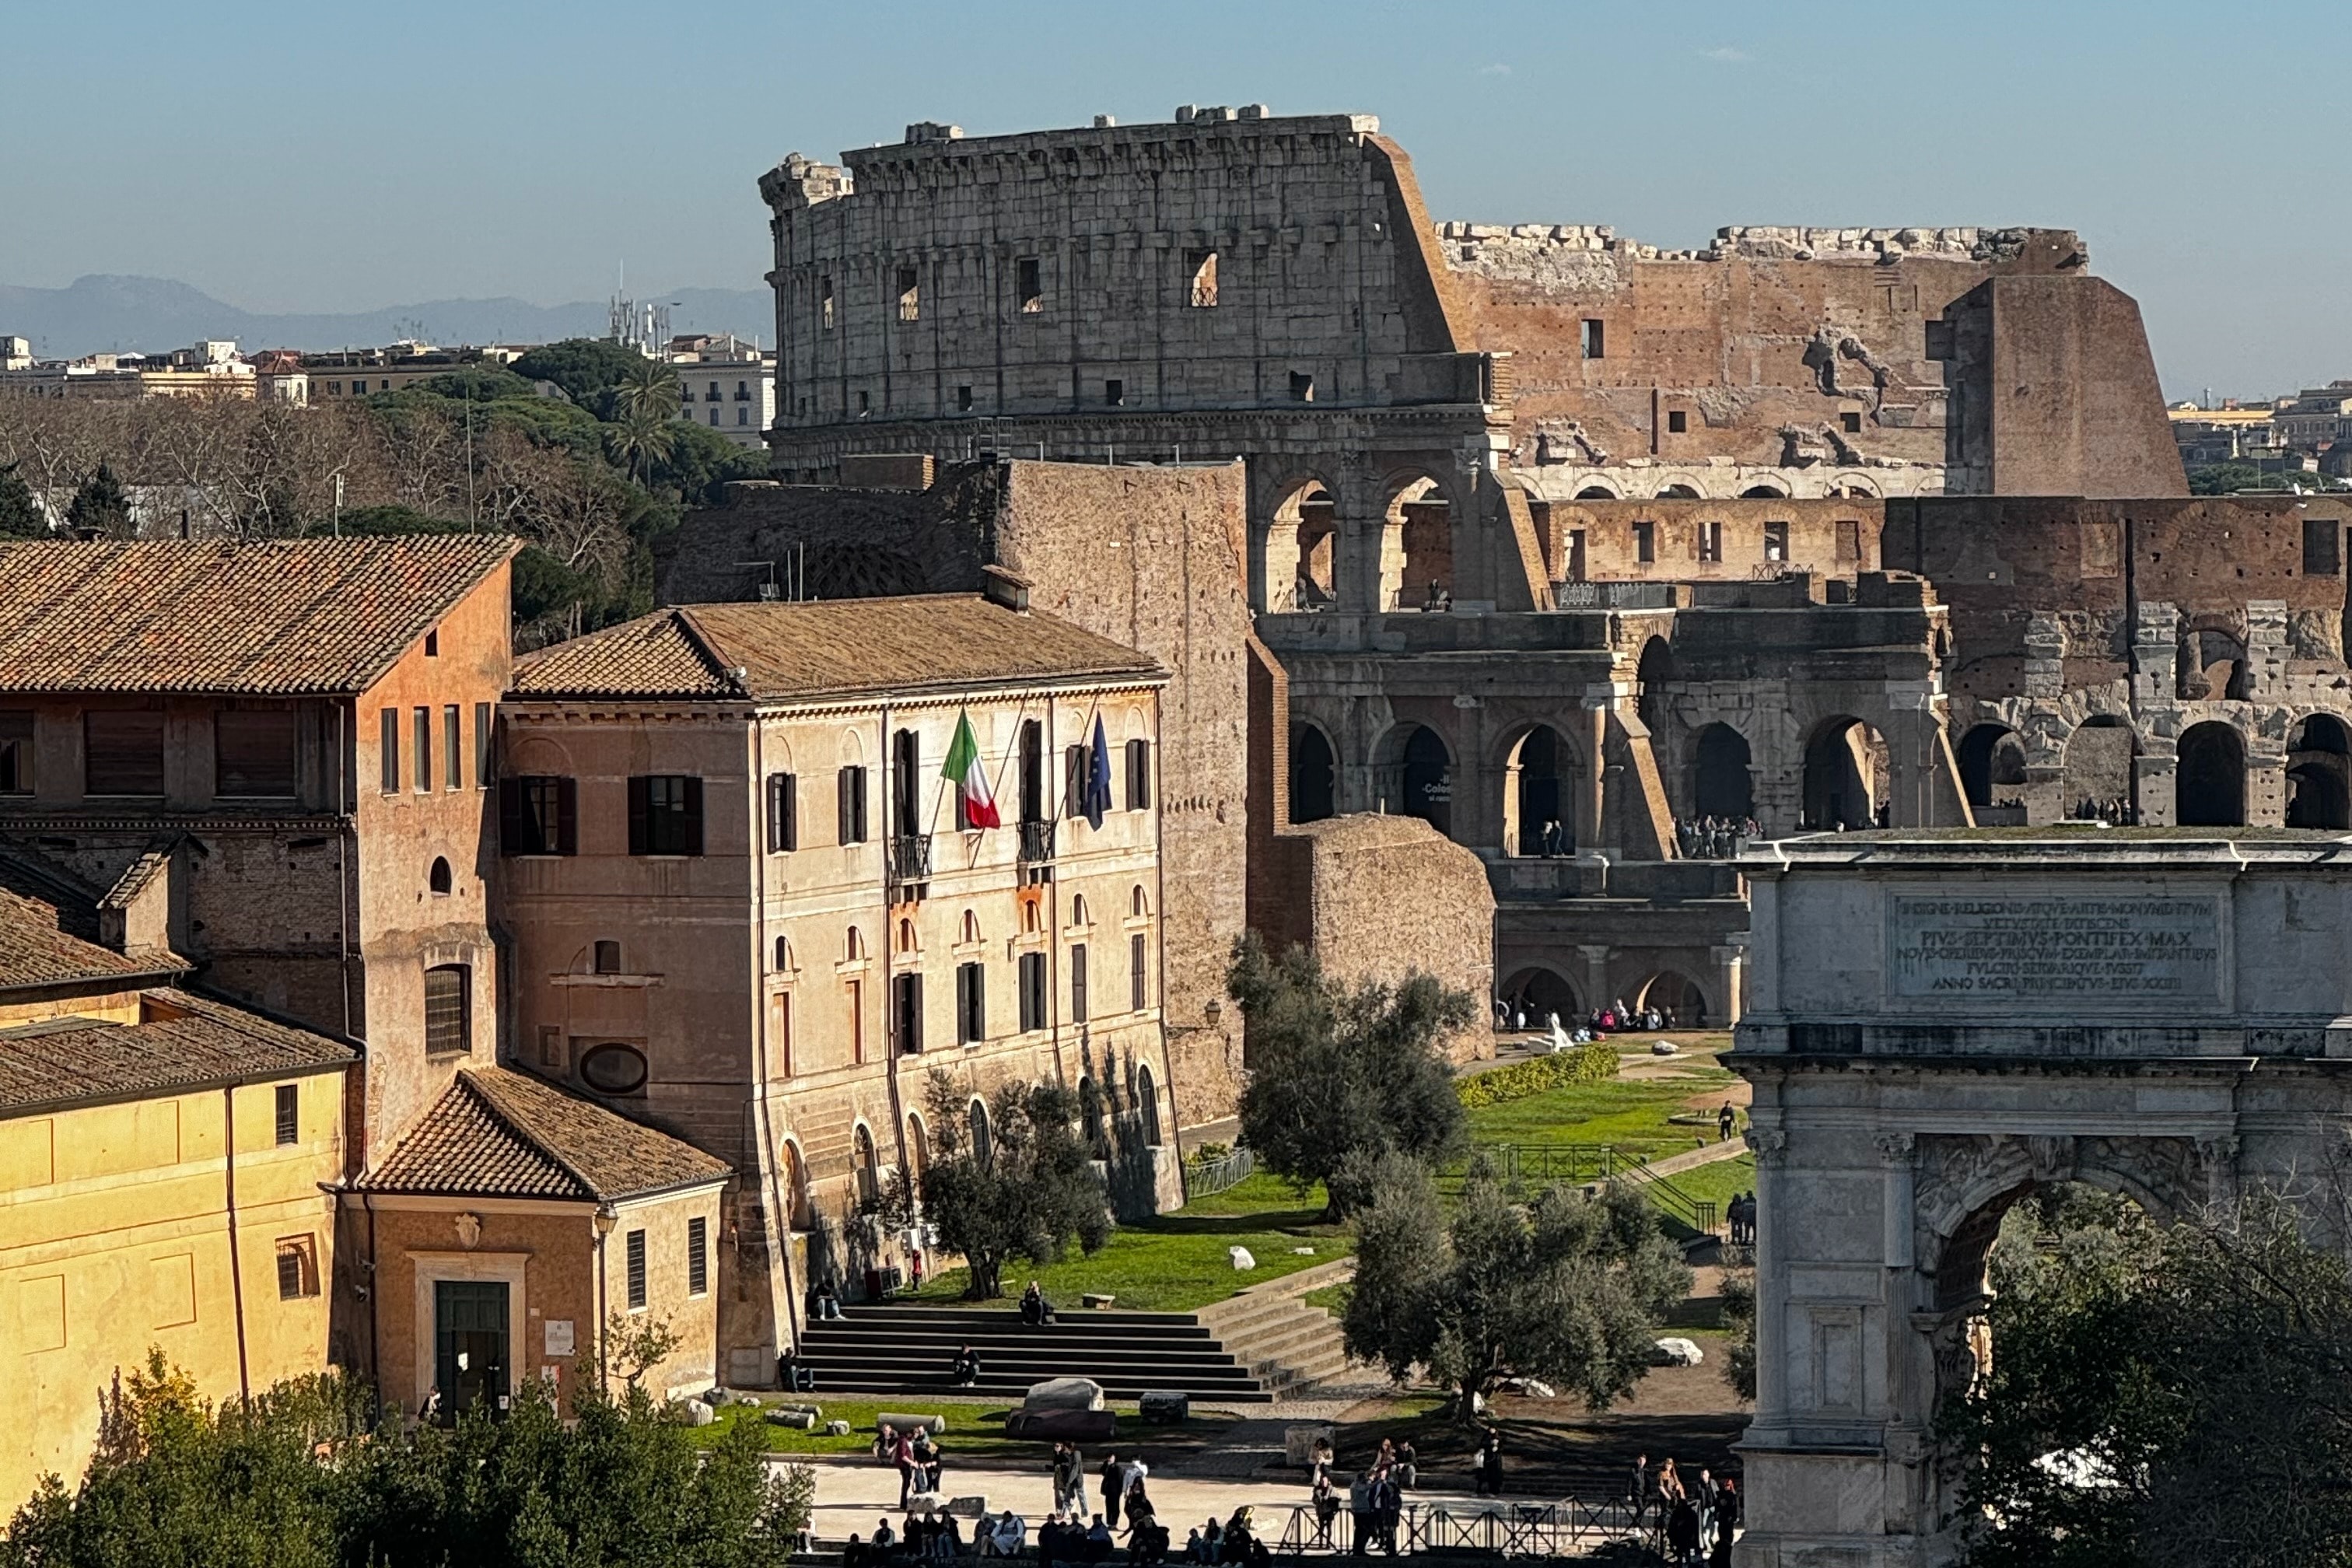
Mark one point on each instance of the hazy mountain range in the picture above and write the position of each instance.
(104, 314)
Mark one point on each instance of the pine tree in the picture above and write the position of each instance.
(20, 518)
(101, 508)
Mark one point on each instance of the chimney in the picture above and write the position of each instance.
(999, 585)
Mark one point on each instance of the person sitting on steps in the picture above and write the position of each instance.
(1035, 1310)
(966, 1369)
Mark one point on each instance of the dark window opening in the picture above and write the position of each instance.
(16, 753)
(388, 748)
(439, 878)
(964, 400)
(850, 805)
(424, 728)
(1851, 420)
(448, 1009)
(254, 753)
(1028, 283)
(636, 1271)
(664, 814)
(906, 783)
(971, 1004)
(1033, 991)
(1645, 543)
(1032, 770)
(289, 1114)
(1202, 266)
(825, 302)
(1302, 387)
(2323, 539)
(1677, 421)
(607, 956)
(906, 1013)
(123, 753)
(481, 745)
(453, 760)
(1078, 983)
(1139, 775)
(910, 298)
(1710, 541)
(1139, 988)
(539, 815)
(1590, 338)
(783, 813)
(697, 1257)
(1115, 393)
(433, 644)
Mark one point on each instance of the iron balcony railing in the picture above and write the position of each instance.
(1036, 843)
(910, 858)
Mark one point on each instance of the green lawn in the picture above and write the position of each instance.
(975, 1429)
(1176, 1262)
(1630, 1113)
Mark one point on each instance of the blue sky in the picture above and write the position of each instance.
(329, 157)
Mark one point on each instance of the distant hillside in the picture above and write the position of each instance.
(101, 314)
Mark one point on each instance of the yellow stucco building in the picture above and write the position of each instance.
(163, 1162)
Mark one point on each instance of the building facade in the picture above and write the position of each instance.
(727, 385)
(747, 908)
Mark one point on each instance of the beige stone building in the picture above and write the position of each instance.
(745, 907)
(161, 1156)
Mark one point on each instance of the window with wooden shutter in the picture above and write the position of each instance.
(539, 815)
(1078, 983)
(388, 748)
(424, 750)
(664, 814)
(906, 1013)
(453, 765)
(697, 1257)
(288, 1108)
(482, 745)
(636, 1271)
(122, 754)
(1073, 781)
(1139, 987)
(1033, 991)
(851, 804)
(1139, 775)
(783, 813)
(971, 1004)
(254, 753)
(448, 1009)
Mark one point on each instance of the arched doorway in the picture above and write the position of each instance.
(1314, 775)
(2319, 774)
(1417, 776)
(1538, 816)
(1675, 996)
(1679, 492)
(1652, 674)
(1147, 1097)
(1421, 522)
(919, 1145)
(1721, 784)
(868, 1168)
(1763, 493)
(799, 1213)
(1301, 550)
(1992, 758)
(1845, 775)
(2210, 781)
(1540, 995)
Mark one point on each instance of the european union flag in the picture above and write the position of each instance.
(1096, 804)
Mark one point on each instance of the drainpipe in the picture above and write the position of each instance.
(603, 1222)
(375, 1344)
(236, 1268)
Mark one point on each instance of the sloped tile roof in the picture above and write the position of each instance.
(822, 648)
(45, 942)
(187, 1042)
(501, 1133)
(277, 616)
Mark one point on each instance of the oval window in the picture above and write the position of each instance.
(613, 1069)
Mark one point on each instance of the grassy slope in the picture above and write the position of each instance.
(974, 1430)
(1176, 1262)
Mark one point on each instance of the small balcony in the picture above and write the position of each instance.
(1036, 843)
(910, 862)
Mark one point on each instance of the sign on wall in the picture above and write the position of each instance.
(2156, 952)
(559, 1336)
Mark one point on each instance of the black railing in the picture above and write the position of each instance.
(1036, 843)
(1564, 1526)
(910, 858)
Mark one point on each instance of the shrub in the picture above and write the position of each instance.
(1595, 1062)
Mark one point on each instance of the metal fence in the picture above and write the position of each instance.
(1613, 596)
(1566, 1527)
(1203, 1178)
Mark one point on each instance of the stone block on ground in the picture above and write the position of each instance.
(1064, 1393)
(1675, 1351)
(1298, 1442)
(902, 1421)
(1240, 1256)
(798, 1420)
(698, 1414)
(1098, 1298)
(1165, 1404)
(836, 1429)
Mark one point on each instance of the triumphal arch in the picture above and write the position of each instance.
(1937, 1024)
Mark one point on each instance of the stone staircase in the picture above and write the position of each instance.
(1261, 1344)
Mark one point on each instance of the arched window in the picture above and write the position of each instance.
(1029, 916)
(798, 1212)
(971, 926)
(918, 1144)
(869, 1171)
(906, 936)
(1078, 909)
(1137, 904)
(783, 955)
(1314, 775)
(854, 947)
(1150, 1098)
(439, 877)
(2211, 777)
(980, 1149)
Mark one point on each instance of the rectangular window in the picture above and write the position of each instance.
(697, 1257)
(1645, 541)
(297, 1267)
(1073, 781)
(1710, 541)
(906, 1013)
(539, 815)
(253, 753)
(664, 814)
(1033, 991)
(865, 406)
(779, 1030)
(825, 302)
(1028, 283)
(1078, 983)
(1202, 266)
(783, 813)
(1138, 986)
(971, 1004)
(857, 1021)
(1851, 420)
(1677, 421)
(1139, 776)
(481, 745)
(17, 751)
(1776, 542)
(432, 637)
(636, 1271)
(743, 417)
(1589, 337)
(1849, 540)
(1302, 387)
(389, 745)
(1114, 392)
(850, 805)
(424, 728)
(289, 1114)
(453, 766)
(123, 753)
(2322, 546)
(910, 298)
(607, 956)
(448, 1009)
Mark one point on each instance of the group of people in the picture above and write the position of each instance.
(1740, 1215)
(917, 1456)
(930, 1534)
(1486, 1470)
(2116, 813)
(1713, 838)
(1376, 1496)
(1698, 1517)
(1553, 841)
(1607, 1020)
(1236, 1543)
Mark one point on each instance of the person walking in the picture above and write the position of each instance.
(1114, 1487)
(1069, 1482)
(1637, 1489)
(1492, 1465)
(1725, 1121)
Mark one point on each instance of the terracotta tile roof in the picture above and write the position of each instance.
(187, 1042)
(499, 1133)
(279, 616)
(825, 648)
(47, 941)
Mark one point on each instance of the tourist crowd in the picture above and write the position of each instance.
(1713, 838)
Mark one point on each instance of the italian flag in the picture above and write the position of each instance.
(971, 776)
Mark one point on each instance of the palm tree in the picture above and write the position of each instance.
(641, 438)
(650, 388)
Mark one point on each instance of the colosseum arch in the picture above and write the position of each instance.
(1417, 535)
(1540, 771)
(1414, 767)
(2210, 776)
(1298, 547)
(1846, 774)
(1722, 784)
(1314, 773)
(2319, 772)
